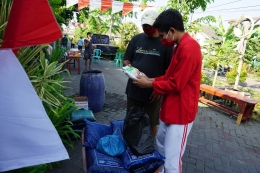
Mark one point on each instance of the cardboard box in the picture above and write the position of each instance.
(81, 102)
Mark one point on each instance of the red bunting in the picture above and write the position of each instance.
(27, 26)
(105, 5)
(144, 6)
(127, 8)
(83, 4)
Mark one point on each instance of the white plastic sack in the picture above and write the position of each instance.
(27, 136)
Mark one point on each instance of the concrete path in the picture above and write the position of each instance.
(215, 145)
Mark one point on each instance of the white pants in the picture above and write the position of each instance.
(171, 142)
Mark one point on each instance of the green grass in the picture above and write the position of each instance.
(256, 113)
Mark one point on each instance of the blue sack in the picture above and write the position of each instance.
(79, 115)
(118, 124)
(93, 132)
(148, 168)
(101, 163)
(132, 161)
(112, 145)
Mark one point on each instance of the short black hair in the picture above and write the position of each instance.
(167, 19)
(88, 33)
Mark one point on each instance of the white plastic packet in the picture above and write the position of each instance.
(131, 71)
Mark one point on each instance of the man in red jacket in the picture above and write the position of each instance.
(180, 87)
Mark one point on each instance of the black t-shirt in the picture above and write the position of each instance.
(151, 57)
(89, 47)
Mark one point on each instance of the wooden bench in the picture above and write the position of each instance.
(245, 104)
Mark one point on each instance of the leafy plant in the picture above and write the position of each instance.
(56, 54)
(205, 79)
(42, 74)
(231, 76)
(44, 83)
(129, 29)
(60, 120)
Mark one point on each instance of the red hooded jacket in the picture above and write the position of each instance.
(180, 86)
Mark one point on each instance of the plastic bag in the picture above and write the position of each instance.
(112, 145)
(95, 131)
(78, 116)
(102, 163)
(137, 132)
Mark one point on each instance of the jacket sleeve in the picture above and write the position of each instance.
(159, 78)
(188, 61)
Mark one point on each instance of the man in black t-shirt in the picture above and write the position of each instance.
(146, 53)
(88, 51)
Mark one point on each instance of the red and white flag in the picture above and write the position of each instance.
(27, 136)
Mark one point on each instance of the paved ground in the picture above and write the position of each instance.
(215, 145)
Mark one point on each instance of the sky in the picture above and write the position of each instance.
(228, 9)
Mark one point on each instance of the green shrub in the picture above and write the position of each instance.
(121, 48)
(205, 79)
(231, 76)
(212, 63)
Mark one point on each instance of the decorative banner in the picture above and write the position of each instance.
(127, 8)
(94, 4)
(78, 24)
(34, 27)
(71, 3)
(117, 6)
(144, 6)
(106, 4)
(136, 8)
(83, 4)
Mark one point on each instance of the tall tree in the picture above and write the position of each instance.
(62, 14)
(129, 29)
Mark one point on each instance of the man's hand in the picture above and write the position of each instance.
(154, 97)
(142, 82)
(127, 63)
(143, 75)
